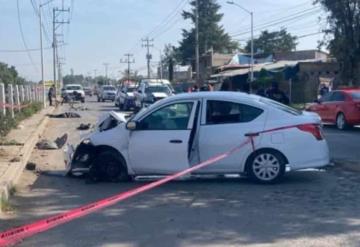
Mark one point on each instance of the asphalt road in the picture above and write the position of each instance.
(309, 208)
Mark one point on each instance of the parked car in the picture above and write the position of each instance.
(125, 98)
(88, 91)
(147, 94)
(339, 107)
(106, 93)
(75, 91)
(183, 130)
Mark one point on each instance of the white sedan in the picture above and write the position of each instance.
(183, 130)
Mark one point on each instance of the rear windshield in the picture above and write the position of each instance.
(355, 95)
(281, 107)
(158, 89)
(131, 89)
(73, 88)
(109, 88)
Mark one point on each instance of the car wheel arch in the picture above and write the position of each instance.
(103, 148)
(252, 154)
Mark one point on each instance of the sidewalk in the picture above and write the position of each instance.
(20, 144)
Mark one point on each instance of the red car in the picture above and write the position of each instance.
(339, 107)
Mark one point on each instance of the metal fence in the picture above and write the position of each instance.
(13, 98)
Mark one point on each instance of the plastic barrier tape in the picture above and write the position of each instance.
(13, 236)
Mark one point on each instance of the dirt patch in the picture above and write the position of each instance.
(3, 153)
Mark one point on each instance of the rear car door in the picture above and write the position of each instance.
(224, 125)
(161, 143)
(323, 108)
(336, 105)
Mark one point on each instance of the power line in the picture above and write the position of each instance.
(23, 36)
(298, 16)
(171, 15)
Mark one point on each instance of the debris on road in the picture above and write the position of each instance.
(30, 166)
(84, 127)
(65, 115)
(60, 142)
(16, 159)
(46, 145)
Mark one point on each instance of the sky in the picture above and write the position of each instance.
(102, 31)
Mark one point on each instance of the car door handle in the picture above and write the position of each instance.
(176, 141)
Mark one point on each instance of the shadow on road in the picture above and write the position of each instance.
(200, 212)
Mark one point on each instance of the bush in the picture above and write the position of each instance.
(7, 123)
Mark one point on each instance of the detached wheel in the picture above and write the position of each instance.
(266, 166)
(109, 166)
(341, 123)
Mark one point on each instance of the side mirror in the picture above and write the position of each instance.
(132, 125)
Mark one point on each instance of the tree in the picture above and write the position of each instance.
(342, 37)
(73, 79)
(270, 42)
(211, 33)
(10, 75)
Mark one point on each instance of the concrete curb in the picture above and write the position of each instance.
(15, 170)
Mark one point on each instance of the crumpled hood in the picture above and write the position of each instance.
(160, 95)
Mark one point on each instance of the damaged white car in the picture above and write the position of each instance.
(180, 131)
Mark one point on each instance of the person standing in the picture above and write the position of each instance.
(51, 94)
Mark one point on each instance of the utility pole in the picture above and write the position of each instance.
(129, 62)
(56, 25)
(106, 66)
(42, 51)
(148, 44)
(197, 56)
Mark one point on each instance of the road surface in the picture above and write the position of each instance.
(310, 208)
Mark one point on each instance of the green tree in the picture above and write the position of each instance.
(342, 37)
(9, 74)
(211, 33)
(270, 42)
(73, 79)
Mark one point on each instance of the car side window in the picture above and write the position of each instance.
(338, 96)
(171, 117)
(326, 97)
(225, 112)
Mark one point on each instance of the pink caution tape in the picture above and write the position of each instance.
(13, 236)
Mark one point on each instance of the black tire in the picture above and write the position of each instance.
(109, 166)
(98, 99)
(102, 100)
(261, 173)
(82, 100)
(341, 122)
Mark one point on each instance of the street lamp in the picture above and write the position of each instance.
(42, 51)
(252, 38)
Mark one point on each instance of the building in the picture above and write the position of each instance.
(298, 73)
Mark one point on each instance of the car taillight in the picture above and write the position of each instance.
(313, 129)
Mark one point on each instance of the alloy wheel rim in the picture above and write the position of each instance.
(341, 121)
(266, 167)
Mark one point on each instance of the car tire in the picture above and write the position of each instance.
(98, 99)
(341, 123)
(102, 100)
(109, 166)
(83, 100)
(266, 166)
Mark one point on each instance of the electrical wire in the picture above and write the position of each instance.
(23, 36)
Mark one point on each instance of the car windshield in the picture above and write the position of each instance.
(355, 95)
(130, 89)
(73, 88)
(109, 88)
(157, 89)
(281, 107)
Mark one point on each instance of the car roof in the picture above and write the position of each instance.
(73, 85)
(215, 95)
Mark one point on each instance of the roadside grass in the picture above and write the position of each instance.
(8, 123)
